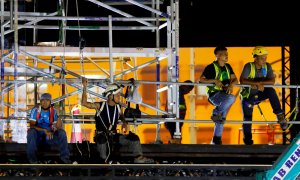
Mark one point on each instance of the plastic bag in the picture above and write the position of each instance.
(134, 95)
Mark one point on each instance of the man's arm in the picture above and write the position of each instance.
(205, 74)
(217, 82)
(244, 77)
(58, 124)
(84, 97)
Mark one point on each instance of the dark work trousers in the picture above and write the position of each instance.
(248, 103)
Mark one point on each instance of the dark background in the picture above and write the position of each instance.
(202, 23)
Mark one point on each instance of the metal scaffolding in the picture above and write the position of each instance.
(13, 21)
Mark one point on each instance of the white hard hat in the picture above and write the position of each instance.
(111, 89)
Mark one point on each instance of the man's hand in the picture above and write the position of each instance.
(125, 127)
(260, 87)
(84, 82)
(49, 134)
(229, 89)
(218, 83)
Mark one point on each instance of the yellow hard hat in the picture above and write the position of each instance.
(259, 50)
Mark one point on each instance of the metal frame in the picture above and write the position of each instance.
(169, 20)
(18, 21)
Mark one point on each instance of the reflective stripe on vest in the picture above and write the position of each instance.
(210, 89)
(51, 118)
(245, 91)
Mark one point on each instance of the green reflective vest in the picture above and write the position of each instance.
(219, 76)
(245, 91)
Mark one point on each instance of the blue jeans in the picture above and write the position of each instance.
(222, 102)
(248, 103)
(34, 137)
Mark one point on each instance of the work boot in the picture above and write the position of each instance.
(143, 160)
(248, 141)
(217, 140)
(282, 121)
(175, 141)
(217, 118)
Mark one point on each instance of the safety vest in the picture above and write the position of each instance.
(245, 91)
(51, 117)
(210, 89)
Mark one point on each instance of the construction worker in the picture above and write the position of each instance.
(220, 74)
(171, 126)
(107, 115)
(46, 127)
(258, 74)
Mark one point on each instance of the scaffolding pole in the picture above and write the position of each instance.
(118, 11)
(16, 51)
(110, 38)
(2, 61)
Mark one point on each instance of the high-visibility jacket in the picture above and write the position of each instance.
(245, 91)
(210, 89)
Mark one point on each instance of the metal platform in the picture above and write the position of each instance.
(171, 161)
(197, 153)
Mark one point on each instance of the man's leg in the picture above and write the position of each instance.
(218, 131)
(222, 102)
(247, 108)
(102, 142)
(171, 126)
(60, 138)
(132, 141)
(32, 142)
(270, 93)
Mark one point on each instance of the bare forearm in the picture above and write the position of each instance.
(268, 81)
(58, 124)
(255, 82)
(88, 104)
(208, 81)
(38, 128)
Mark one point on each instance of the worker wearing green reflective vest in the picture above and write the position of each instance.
(258, 74)
(220, 74)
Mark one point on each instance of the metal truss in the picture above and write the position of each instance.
(13, 20)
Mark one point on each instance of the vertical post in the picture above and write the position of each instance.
(110, 49)
(62, 32)
(283, 77)
(11, 14)
(16, 51)
(2, 60)
(171, 75)
(193, 132)
(283, 89)
(158, 139)
(34, 29)
(35, 64)
(176, 60)
(63, 88)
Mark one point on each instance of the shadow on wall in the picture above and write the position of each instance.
(148, 92)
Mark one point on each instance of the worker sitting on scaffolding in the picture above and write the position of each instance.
(107, 115)
(258, 74)
(220, 74)
(171, 126)
(46, 127)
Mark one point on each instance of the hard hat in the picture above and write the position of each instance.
(112, 89)
(259, 50)
(46, 96)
